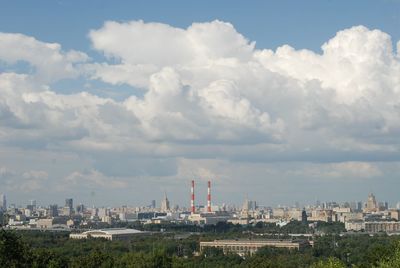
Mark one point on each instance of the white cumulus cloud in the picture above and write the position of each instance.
(205, 92)
(49, 61)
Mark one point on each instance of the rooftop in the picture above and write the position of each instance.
(114, 231)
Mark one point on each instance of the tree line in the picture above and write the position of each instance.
(47, 249)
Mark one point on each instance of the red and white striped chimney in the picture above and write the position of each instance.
(192, 198)
(209, 197)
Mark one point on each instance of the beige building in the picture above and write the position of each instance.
(241, 221)
(279, 213)
(373, 227)
(165, 204)
(321, 215)
(243, 247)
(372, 205)
(341, 210)
(351, 216)
(294, 214)
(45, 223)
(356, 225)
(384, 226)
(394, 214)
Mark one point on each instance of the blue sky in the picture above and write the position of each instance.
(123, 97)
(302, 24)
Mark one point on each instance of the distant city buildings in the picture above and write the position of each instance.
(370, 216)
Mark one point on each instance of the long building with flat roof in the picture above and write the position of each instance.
(243, 247)
(109, 234)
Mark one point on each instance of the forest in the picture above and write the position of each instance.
(180, 249)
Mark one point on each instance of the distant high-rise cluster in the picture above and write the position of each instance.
(369, 216)
(249, 205)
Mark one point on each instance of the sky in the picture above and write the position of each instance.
(117, 103)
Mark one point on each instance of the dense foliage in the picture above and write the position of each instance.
(224, 228)
(171, 249)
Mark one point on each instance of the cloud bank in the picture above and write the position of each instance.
(207, 92)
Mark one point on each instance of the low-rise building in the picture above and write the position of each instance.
(395, 214)
(356, 225)
(244, 247)
(383, 226)
(321, 215)
(241, 221)
(109, 234)
(349, 216)
(208, 218)
(44, 223)
(279, 213)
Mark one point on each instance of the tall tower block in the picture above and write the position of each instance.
(192, 198)
(209, 197)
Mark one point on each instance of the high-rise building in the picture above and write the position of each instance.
(53, 210)
(246, 205)
(103, 212)
(95, 212)
(249, 205)
(372, 205)
(153, 204)
(353, 206)
(3, 202)
(359, 206)
(69, 202)
(32, 205)
(304, 216)
(80, 208)
(165, 204)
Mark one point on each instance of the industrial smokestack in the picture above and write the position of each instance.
(192, 198)
(209, 197)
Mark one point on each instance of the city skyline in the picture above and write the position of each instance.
(164, 204)
(135, 100)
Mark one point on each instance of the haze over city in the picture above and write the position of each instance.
(116, 104)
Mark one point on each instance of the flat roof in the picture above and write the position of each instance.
(113, 231)
(255, 241)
